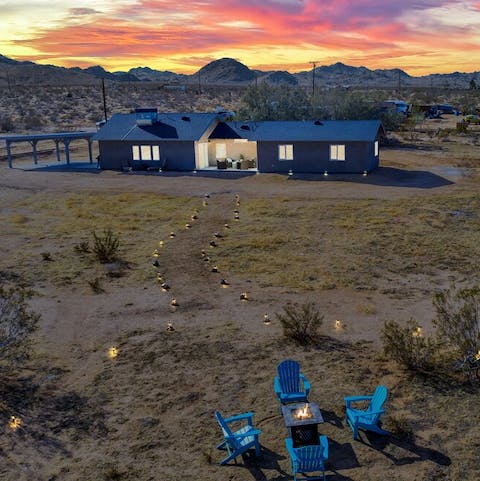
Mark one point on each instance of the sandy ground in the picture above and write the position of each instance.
(148, 414)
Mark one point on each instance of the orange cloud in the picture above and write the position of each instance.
(156, 31)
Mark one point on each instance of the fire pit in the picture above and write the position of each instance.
(301, 420)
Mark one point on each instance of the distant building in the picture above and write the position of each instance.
(195, 141)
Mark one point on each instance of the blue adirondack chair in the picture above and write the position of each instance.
(287, 385)
(369, 418)
(239, 441)
(308, 459)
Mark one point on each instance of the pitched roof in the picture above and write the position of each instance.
(284, 131)
(169, 126)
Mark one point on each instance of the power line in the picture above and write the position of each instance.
(314, 63)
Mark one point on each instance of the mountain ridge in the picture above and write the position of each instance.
(228, 71)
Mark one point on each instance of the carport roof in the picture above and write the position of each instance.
(309, 130)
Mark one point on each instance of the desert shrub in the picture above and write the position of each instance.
(33, 121)
(46, 256)
(6, 124)
(106, 246)
(407, 345)
(391, 120)
(458, 318)
(301, 323)
(83, 247)
(17, 322)
(96, 285)
(400, 427)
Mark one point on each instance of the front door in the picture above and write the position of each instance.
(202, 160)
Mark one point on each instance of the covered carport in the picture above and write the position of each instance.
(60, 137)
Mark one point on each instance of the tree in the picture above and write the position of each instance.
(264, 102)
(17, 322)
(473, 84)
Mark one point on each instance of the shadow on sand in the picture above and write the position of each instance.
(384, 176)
(87, 167)
(267, 460)
(212, 174)
(404, 452)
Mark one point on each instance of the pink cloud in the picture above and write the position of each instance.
(160, 28)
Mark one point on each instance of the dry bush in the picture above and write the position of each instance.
(407, 346)
(106, 246)
(301, 322)
(458, 318)
(17, 322)
(400, 427)
(96, 285)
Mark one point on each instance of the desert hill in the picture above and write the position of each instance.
(228, 71)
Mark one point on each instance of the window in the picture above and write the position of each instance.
(221, 151)
(337, 152)
(376, 148)
(136, 152)
(285, 152)
(145, 152)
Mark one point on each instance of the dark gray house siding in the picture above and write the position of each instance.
(114, 154)
(314, 157)
(177, 155)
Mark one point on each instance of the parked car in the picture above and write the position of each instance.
(446, 108)
(472, 119)
(400, 106)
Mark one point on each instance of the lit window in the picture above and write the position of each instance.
(376, 148)
(221, 151)
(155, 152)
(146, 152)
(136, 152)
(337, 152)
(285, 152)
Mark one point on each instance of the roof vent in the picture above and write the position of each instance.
(245, 127)
(185, 118)
(317, 122)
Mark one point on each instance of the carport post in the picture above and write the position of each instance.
(90, 157)
(34, 152)
(57, 149)
(9, 154)
(67, 150)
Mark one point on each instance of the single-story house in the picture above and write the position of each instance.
(196, 141)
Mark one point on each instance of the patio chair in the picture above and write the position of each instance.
(308, 459)
(240, 441)
(287, 385)
(369, 418)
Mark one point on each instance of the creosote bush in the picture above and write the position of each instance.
(407, 346)
(17, 322)
(301, 323)
(400, 427)
(96, 286)
(458, 319)
(83, 247)
(106, 246)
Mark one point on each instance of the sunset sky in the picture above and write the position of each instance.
(419, 36)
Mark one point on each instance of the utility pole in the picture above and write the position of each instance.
(104, 100)
(314, 63)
